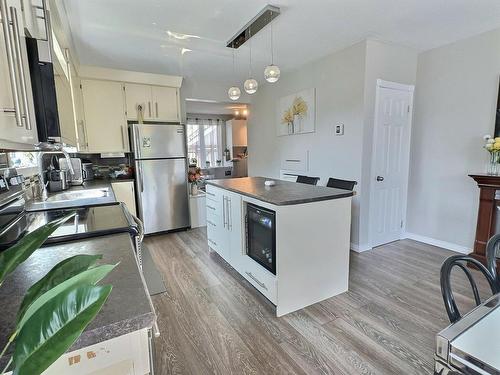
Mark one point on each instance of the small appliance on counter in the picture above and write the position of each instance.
(88, 171)
(77, 178)
(57, 180)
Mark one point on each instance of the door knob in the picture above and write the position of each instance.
(380, 178)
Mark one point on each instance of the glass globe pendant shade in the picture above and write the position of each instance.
(234, 93)
(272, 73)
(251, 86)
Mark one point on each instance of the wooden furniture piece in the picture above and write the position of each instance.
(486, 218)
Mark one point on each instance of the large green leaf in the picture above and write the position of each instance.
(18, 253)
(53, 328)
(91, 276)
(59, 273)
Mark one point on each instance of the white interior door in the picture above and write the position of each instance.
(391, 150)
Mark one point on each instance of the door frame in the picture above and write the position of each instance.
(382, 84)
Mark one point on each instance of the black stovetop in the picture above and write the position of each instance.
(88, 222)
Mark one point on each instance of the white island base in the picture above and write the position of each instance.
(312, 247)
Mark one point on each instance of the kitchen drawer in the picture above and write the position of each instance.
(214, 193)
(213, 234)
(215, 218)
(214, 208)
(263, 280)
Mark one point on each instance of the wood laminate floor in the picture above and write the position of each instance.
(213, 322)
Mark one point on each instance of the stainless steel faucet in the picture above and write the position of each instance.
(45, 148)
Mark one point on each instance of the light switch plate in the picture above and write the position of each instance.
(339, 129)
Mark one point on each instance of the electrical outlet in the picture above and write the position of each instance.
(339, 129)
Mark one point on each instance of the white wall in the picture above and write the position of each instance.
(339, 83)
(345, 92)
(455, 103)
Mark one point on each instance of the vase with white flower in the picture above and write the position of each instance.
(493, 147)
(194, 177)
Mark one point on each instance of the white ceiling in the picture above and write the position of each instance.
(214, 108)
(132, 34)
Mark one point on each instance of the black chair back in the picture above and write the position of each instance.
(341, 184)
(462, 261)
(307, 180)
(493, 257)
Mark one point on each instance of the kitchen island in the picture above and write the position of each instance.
(119, 335)
(290, 241)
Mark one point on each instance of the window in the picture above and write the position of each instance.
(204, 140)
(22, 159)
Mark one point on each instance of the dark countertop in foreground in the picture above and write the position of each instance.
(283, 193)
(126, 310)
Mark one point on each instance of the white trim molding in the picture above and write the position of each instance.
(435, 242)
(360, 248)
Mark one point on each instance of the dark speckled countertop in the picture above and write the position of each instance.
(126, 310)
(283, 193)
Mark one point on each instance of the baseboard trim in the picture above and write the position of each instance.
(432, 241)
(360, 248)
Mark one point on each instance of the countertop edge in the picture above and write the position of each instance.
(292, 202)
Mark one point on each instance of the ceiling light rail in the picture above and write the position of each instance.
(261, 20)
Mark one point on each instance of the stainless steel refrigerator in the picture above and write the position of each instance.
(161, 172)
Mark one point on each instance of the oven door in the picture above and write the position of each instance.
(261, 236)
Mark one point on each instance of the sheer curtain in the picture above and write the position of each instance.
(204, 141)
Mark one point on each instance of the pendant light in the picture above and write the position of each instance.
(251, 85)
(272, 72)
(234, 92)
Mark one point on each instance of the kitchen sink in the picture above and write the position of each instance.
(78, 194)
(73, 198)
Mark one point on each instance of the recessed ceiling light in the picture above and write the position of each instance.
(153, 23)
(181, 36)
(184, 50)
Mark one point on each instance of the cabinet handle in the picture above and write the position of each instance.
(156, 105)
(229, 217)
(149, 108)
(212, 208)
(211, 194)
(18, 52)
(212, 242)
(261, 284)
(224, 213)
(123, 137)
(212, 224)
(10, 61)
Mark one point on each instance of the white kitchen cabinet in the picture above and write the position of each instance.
(224, 224)
(236, 133)
(158, 103)
(77, 99)
(166, 103)
(124, 192)
(33, 18)
(65, 110)
(105, 121)
(137, 98)
(122, 355)
(23, 130)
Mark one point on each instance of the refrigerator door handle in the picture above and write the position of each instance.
(139, 178)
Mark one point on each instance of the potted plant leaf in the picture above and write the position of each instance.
(57, 308)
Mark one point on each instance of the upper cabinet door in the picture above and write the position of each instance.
(65, 110)
(15, 73)
(138, 98)
(165, 103)
(34, 19)
(104, 108)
